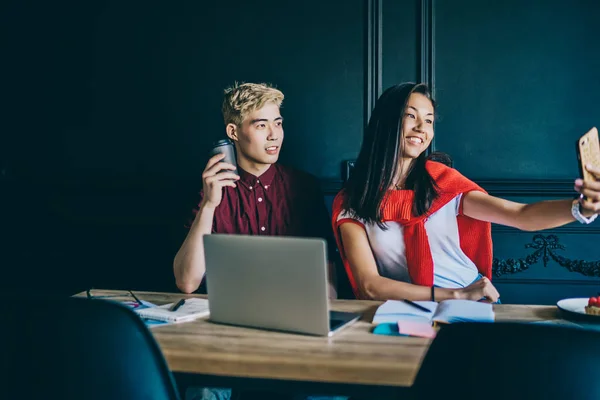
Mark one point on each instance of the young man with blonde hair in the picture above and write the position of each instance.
(266, 198)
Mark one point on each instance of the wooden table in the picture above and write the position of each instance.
(353, 360)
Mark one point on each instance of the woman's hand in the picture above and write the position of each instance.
(590, 204)
(478, 290)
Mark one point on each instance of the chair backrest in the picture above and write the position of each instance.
(510, 361)
(77, 348)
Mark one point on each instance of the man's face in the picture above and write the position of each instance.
(260, 137)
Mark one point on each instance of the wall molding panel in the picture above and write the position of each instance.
(545, 249)
(373, 55)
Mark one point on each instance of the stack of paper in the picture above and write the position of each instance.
(189, 311)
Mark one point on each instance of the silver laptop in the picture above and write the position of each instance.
(276, 283)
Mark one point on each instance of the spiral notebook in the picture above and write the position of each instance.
(189, 311)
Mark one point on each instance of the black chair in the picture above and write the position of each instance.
(441, 158)
(76, 348)
(510, 361)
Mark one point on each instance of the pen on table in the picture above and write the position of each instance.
(135, 297)
(179, 304)
(420, 307)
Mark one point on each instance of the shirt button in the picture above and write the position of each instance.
(266, 186)
(250, 187)
(259, 199)
(262, 228)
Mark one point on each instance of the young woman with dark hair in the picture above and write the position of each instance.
(412, 228)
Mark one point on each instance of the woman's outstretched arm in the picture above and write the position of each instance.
(535, 216)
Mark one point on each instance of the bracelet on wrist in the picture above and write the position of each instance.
(576, 212)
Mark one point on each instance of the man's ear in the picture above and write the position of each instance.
(232, 132)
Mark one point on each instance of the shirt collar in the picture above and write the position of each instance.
(252, 180)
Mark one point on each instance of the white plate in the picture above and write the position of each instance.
(576, 306)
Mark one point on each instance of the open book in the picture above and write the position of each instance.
(189, 311)
(447, 311)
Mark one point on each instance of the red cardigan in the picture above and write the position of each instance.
(475, 236)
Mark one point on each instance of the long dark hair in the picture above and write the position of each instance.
(377, 162)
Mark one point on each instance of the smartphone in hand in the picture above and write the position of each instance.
(588, 152)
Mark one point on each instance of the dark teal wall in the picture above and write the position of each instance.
(517, 84)
(111, 106)
(160, 74)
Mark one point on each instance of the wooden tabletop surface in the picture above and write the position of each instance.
(353, 355)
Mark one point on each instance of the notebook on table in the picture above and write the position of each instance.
(143, 305)
(444, 312)
(189, 311)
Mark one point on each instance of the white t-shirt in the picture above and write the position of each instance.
(451, 267)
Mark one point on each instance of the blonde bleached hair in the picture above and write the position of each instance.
(243, 99)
